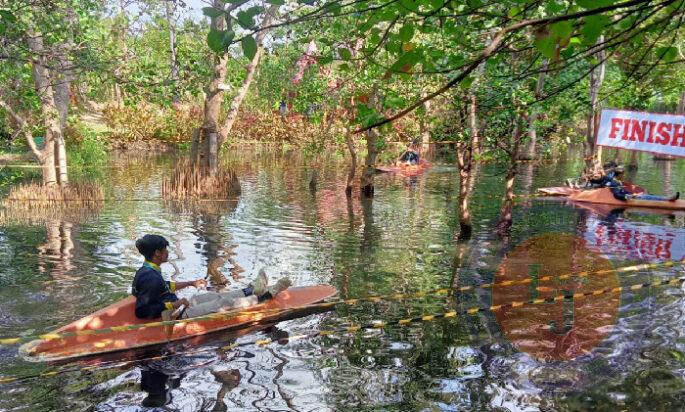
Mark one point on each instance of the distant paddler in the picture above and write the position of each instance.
(410, 157)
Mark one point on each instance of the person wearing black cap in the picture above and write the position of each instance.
(620, 192)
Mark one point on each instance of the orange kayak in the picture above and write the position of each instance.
(604, 196)
(122, 314)
(568, 191)
(406, 170)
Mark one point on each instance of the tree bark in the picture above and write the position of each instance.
(367, 185)
(425, 126)
(505, 216)
(529, 152)
(353, 163)
(251, 70)
(50, 114)
(171, 20)
(596, 79)
(465, 163)
(214, 95)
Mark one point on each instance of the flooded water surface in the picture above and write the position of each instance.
(598, 348)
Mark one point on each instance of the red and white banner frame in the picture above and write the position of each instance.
(657, 133)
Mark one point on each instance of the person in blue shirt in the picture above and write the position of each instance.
(155, 297)
(153, 294)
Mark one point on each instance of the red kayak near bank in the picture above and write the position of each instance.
(121, 315)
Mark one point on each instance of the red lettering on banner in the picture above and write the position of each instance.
(615, 123)
(638, 131)
(663, 130)
(652, 126)
(626, 129)
(677, 134)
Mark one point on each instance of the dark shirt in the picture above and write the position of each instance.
(617, 189)
(410, 157)
(603, 181)
(152, 292)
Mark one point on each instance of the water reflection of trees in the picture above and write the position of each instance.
(213, 241)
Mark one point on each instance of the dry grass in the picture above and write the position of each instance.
(202, 207)
(36, 196)
(192, 183)
(36, 203)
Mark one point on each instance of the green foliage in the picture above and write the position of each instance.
(86, 149)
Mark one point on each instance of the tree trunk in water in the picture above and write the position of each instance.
(530, 151)
(353, 164)
(369, 172)
(171, 20)
(425, 126)
(666, 170)
(465, 162)
(367, 188)
(596, 79)
(251, 70)
(505, 215)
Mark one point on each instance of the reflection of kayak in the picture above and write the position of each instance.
(606, 210)
(122, 314)
(604, 196)
(568, 191)
(406, 170)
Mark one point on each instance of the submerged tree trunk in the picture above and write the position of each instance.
(367, 188)
(367, 185)
(530, 152)
(464, 160)
(505, 215)
(251, 70)
(592, 161)
(353, 164)
(170, 8)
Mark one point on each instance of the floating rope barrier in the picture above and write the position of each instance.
(330, 304)
(428, 317)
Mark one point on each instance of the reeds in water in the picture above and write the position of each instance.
(189, 182)
(37, 203)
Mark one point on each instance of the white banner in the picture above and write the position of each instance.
(645, 132)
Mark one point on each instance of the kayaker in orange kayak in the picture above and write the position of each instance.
(155, 297)
(410, 156)
(620, 192)
(153, 294)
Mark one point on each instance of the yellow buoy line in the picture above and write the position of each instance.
(330, 304)
(367, 326)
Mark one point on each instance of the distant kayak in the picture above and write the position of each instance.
(605, 197)
(406, 170)
(121, 315)
(568, 191)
